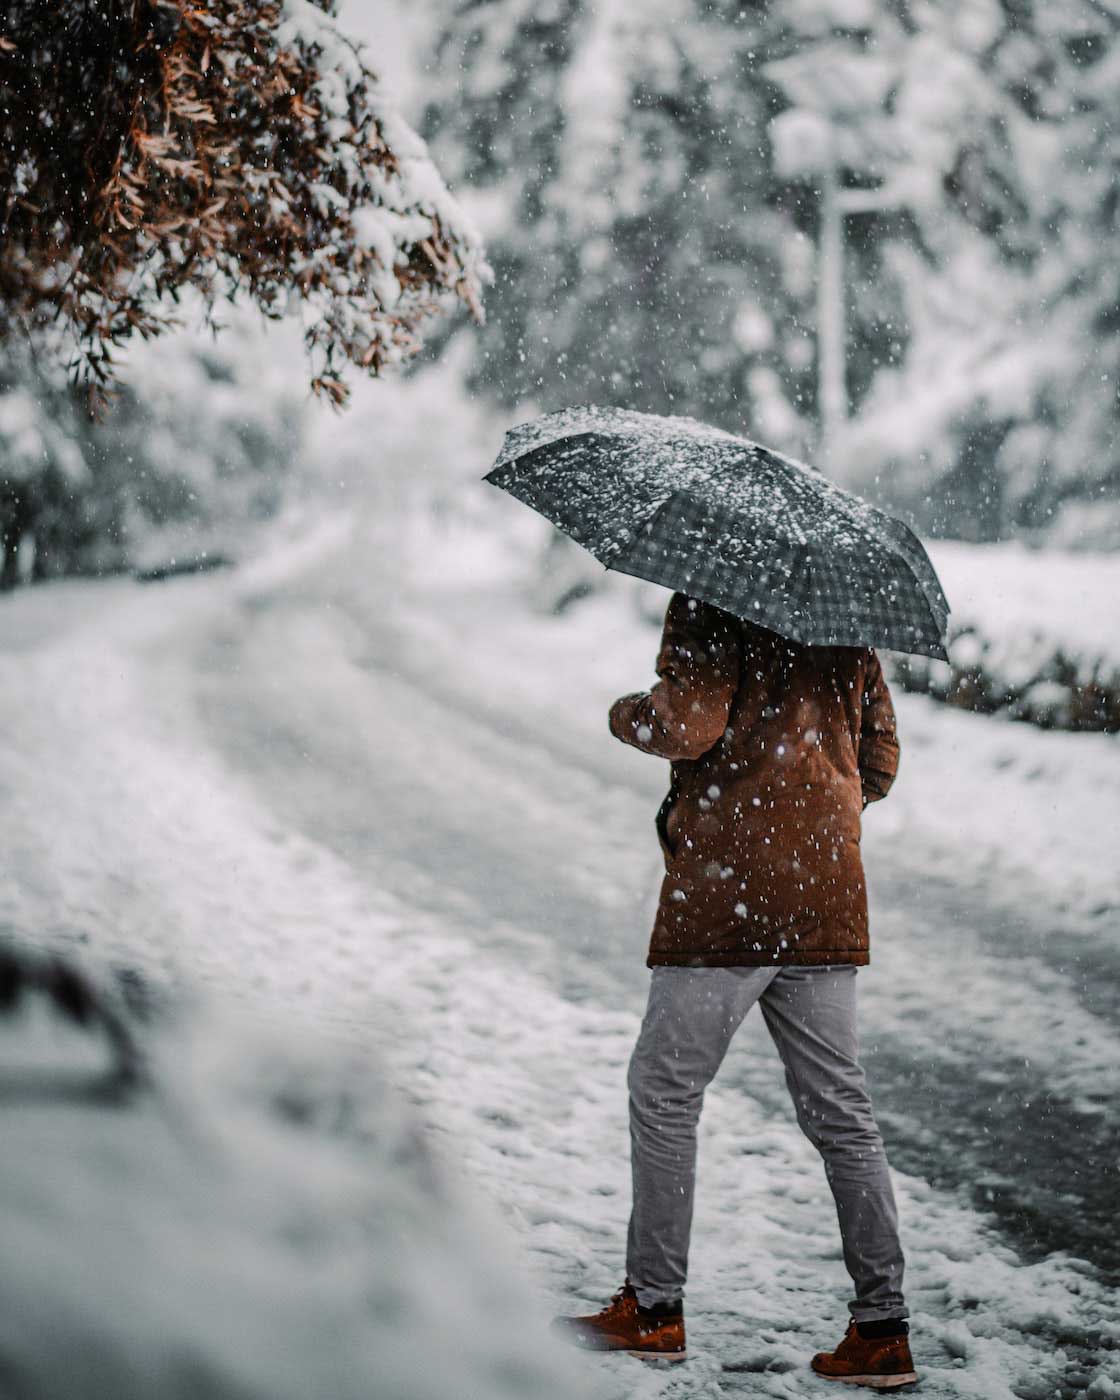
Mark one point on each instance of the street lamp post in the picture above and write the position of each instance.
(832, 311)
(832, 317)
(834, 125)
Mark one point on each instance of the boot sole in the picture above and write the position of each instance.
(874, 1382)
(659, 1355)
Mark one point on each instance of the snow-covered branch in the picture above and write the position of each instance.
(234, 149)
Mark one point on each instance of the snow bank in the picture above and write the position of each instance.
(1021, 597)
(1033, 633)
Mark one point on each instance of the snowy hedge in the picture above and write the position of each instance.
(1033, 635)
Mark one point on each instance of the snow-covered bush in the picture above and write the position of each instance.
(1032, 635)
(44, 472)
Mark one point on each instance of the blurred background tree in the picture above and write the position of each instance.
(656, 182)
(641, 251)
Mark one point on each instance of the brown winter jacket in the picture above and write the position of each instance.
(775, 750)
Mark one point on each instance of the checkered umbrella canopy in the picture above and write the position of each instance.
(726, 520)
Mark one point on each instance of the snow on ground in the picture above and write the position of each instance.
(380, 828)
(1011, 808)
(269, 1223)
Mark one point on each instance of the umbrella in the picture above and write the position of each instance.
(731, 522)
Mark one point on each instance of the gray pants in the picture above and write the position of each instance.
(811, 1013)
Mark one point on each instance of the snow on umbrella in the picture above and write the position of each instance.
(723, 519)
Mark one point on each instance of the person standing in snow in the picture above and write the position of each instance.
(775, 748)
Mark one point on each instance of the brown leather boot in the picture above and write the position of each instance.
(880, 1362)
(653, 1334)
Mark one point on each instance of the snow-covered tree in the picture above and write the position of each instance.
(983, 134)
(162, 145)
(169, 153)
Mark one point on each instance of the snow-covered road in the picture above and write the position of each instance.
(398, 813)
